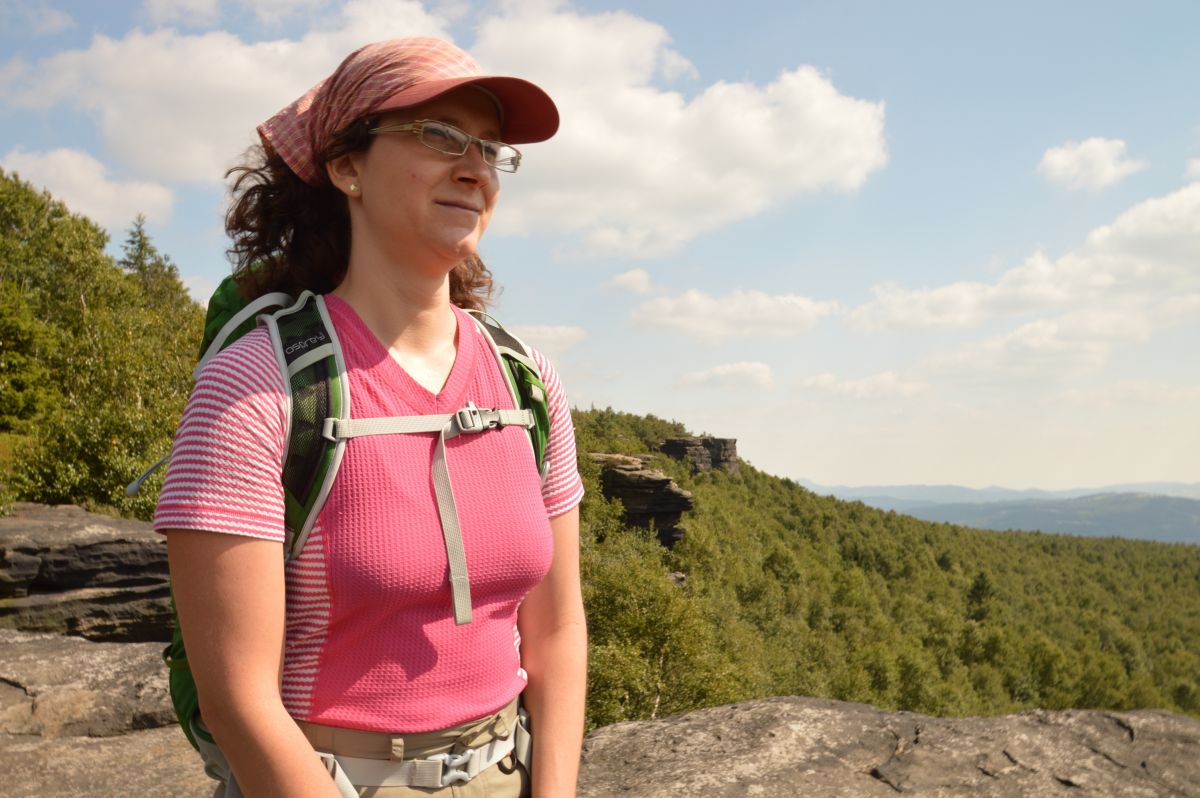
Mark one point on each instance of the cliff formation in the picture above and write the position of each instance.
(651, 498)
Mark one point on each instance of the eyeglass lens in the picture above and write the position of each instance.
(451, 140)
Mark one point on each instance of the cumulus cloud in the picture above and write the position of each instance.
(200, 13)
(552, 340)
(637, 170)
(186, 12)
(1135, 393)
(37, 18)
(742, 313)
(1046, 349)
(885, 385)
(1193, 169)
(1144, 258)
(83, 183)
(635, 281)
(200, 288)
(732, 375)
(273, 12)
(132, 85)
(1094, 163)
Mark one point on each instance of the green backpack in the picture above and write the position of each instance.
(319, 424)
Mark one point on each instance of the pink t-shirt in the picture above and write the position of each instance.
(371, 641)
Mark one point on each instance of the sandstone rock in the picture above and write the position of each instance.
(703, 452)
(65, 570)
(647, 494)
(156, 762)
(771, 748)
(787, 747)
(58, 686)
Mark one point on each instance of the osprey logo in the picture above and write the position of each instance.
(305, 343)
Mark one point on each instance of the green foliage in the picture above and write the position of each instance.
(612, 431)
(792, 593)
(114, 342)
(24, 377)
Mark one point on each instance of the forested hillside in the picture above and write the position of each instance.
(95, 354)
(773, 590)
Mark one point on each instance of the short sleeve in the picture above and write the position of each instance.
(563, 488)
(225, 465)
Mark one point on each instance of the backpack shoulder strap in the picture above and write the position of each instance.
(310, 361)
(524, 381)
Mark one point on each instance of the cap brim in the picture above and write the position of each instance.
(529, 113)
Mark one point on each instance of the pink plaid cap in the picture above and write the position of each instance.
(395, 74)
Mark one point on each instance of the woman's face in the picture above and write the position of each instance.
(414, 202)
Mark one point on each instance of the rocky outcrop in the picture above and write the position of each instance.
(84, 718)
(770, 748)
(649, 496)
(61, 686)
(704, 453)
(79, 717)
(788, 747)
(68, 571)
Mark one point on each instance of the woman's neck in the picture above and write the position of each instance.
(408, 312)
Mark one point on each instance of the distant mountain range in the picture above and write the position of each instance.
(1163, 511)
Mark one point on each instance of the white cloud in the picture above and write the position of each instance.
(1092, 164)
(742, 313)
(51, 20)
(1143, 259)
(552, 340)
(83, 183)
(273, 12)
(1193, 169)
(201, 13)
(176, 106)
(1047, 349)
(635, 281)
(201, 288)
(733, 375)
(885, 385)
(195, 13)
(638, 170)
(1135, 393)
(37, 18)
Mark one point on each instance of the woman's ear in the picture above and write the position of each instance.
(343, 174)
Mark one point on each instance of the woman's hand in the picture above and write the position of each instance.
(229, 592)
(554, 654)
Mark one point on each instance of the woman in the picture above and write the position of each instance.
(374, 189)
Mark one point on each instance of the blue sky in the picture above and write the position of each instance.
(876, 242)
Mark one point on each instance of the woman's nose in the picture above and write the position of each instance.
(472, 166)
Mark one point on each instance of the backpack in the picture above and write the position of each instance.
(319, 425)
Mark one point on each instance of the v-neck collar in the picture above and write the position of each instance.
(354, 331)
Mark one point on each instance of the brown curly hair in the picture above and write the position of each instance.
(290, 236)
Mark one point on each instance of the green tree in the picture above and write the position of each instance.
(118, 348)
(155, 274)
(24, 378)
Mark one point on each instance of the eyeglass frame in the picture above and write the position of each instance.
(417, 127)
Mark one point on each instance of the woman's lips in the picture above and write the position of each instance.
(462, 206)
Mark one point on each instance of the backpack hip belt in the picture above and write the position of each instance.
(432, 772)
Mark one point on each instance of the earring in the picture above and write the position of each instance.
(354, 188)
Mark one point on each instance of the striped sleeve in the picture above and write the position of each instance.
(563, 488)
(224, 471)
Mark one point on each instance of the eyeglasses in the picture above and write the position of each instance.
(452, 141)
